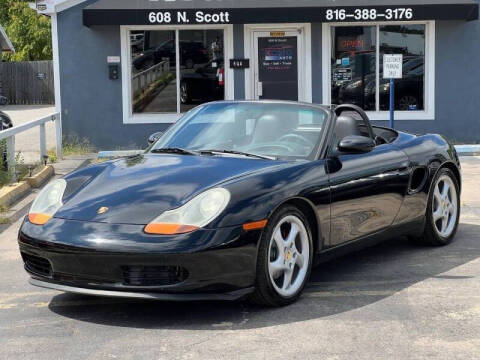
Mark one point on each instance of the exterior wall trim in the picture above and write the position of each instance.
(55, 6)
(56, 64)
(429, 113)
(168, 118)
(249, 29)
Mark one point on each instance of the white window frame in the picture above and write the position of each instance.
(167, 118)
(304, 58)
(429, 95)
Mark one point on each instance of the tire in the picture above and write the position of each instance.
(282, 275)
(184, 94)
(438, 231)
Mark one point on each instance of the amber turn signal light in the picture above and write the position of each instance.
(39, 219)
(257, 225)
(169, 229)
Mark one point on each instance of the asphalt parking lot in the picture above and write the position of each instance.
(394, 301)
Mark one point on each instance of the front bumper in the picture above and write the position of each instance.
(122, 261)
(230, 296)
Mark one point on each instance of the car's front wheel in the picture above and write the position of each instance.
(284, 258)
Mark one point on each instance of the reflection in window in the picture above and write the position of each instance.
(153, 71)
(354, 66)
(202, 76)
(408, 40)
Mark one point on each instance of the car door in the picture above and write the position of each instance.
(367, 191)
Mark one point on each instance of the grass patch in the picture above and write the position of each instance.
(52, 156)
(3, 210)
(73, 145)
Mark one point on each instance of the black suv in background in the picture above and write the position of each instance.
(206, 83)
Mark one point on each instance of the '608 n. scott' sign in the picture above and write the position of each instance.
(186, 17)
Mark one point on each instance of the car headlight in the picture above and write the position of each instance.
(48, 201)
(197, 213)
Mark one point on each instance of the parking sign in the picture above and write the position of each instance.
(392, 66)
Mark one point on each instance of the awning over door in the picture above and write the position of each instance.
(194, 12)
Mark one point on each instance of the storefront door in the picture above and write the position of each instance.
(277, 65)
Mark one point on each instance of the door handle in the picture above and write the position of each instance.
(260, 89)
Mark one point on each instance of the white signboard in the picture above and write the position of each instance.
(113, 59)
(392, 66)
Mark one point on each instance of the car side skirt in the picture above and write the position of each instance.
(414, 228)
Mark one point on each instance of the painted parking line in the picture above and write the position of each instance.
(356, 293)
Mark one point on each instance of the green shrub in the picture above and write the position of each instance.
(18, 172)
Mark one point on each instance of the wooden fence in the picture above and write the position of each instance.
(27, 83)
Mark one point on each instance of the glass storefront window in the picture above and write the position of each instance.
(354, 66)
(162, 82)
(355, 53)
(408, 40)
(202, 70)
(153, 72)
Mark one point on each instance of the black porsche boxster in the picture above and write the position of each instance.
(240, 199)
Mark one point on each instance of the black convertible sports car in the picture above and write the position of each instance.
(237, 199)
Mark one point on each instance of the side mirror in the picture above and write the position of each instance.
(3, 100)
(356, 144)
(154, 137)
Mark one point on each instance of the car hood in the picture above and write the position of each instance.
(137, 190)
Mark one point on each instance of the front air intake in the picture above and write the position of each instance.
(37, 265)
(153, 275)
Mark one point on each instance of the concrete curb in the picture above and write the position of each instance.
(9, 194)
(42, 177)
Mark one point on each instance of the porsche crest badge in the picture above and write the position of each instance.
(102, 210)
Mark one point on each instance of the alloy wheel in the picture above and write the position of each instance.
(289, 254)
(445, 206)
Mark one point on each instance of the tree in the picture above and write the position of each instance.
(29, 32)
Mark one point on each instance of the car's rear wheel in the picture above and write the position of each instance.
(284, 259)
(185, 93)
(443, 211)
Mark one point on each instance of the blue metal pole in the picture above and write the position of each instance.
(392, 103)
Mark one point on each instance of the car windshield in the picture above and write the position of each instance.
(272, 130)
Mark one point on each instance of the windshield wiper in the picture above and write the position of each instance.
(213, 152)
(179, 151)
